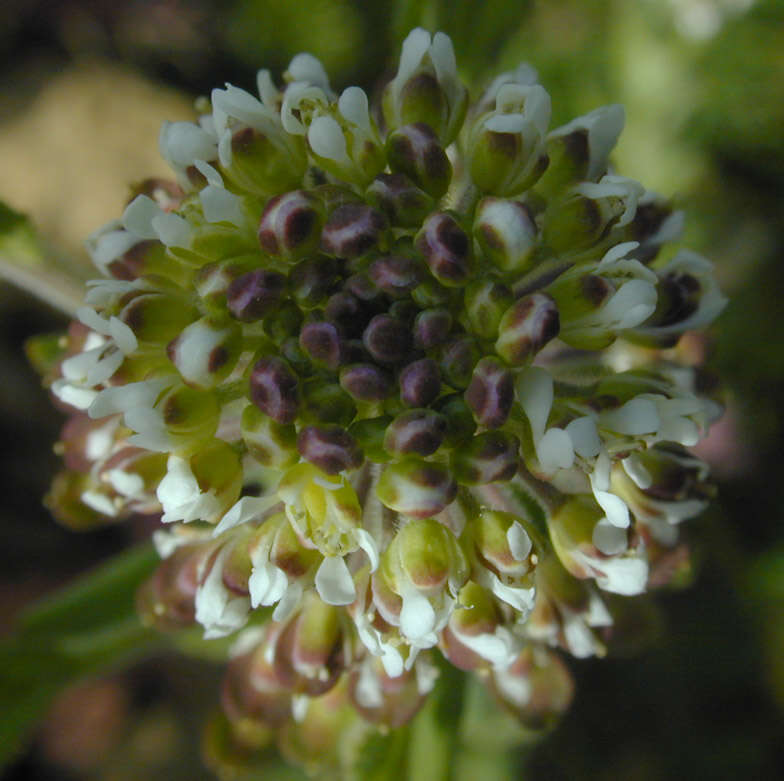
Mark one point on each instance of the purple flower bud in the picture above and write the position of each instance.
(404, 204)
(291, 225)
(488, 458)
(458, 360)
(490, 393)
(365, 382)
(527, 326)
(420, 383)
(274, 389)
(446, 249)
(506, 232)
(330, 448)
(387, 339)
(352, 230)
(431, 328)
(347, 312)
(361, 286)
(416, 488)
(396, 275)
(312, 280)
(253, 295)
(321, 343)
(416, 432)
(414, 150)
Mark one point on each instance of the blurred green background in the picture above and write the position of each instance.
(84, 86)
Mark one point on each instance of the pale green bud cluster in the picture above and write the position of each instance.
(381, 374)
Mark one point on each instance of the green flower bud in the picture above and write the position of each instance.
(205, 352)
(416, 432)
(506, 232)
(414, 150)
(416, 488)
(446, 249)
(488, 458)
(486, 300)
(271, 443)
(526, 327)
(400, 199)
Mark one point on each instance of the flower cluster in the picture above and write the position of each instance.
(396, 382)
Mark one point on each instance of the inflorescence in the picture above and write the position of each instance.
(395, 381)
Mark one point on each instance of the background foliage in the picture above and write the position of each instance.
(85, 85)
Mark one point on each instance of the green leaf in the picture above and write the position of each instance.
(28, 264)
(89, 627)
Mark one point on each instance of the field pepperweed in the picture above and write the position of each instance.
(398, 384)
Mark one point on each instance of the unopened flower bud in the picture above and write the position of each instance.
(213, 279)
(537, 687)
(321, 342)
(431, 328)
(490, 393)
(420, 383)
(486, 301)
(460, 420)
(387, 339)
(458, 359)
(446, 249)
(331, 448)
(325, 402)
(352, 230)
(157, 318)
(396, 275)
(506, 232)
(251, 296)
(426, 88)
(400, 199)
(257, 165)
(205, 352)
(414, 150)
(365, 382)
(370, 433)
(271, 443)
(416, 488)
(526, 327)
(291, 225)
(416, 432)
(274, 389)
(312, 280)
(488, 458)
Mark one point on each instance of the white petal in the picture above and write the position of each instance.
(535, 394)
(609, 539)
(584, 436)
(554, 450)
(519, 542)
(637, 472)
(138, 216)
(267, 584)
(210, 173)
(219, 205)
(627, 576)
(415, 46)
(636, 417)
(614, 507)
(123, 336)
(506, 123)
(368, 544)
(417, 617)
(172, 230)
(306, 67)
(521, 599)
(327, 140)
(334, 582)
(245, 509)
(353, 105)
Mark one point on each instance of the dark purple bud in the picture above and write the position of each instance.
(213, 279)
(347, 312)
(396, 275)
(420, 383)
(387, 339)
(291, 225)
(488, 458)
(361, 286)
(274, 389)
(365, 382)
(321, 343)
(416, 432)
(296, 356)
(490, 393)
(414, 150)
(446, 249)
(352, 230)
(527, 326)
(253, 295)
(431, 328)
(330, 448)
(312, 280)
(404, 204)
(458, 360)
(354, 352)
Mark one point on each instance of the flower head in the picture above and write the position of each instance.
(384, 380)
